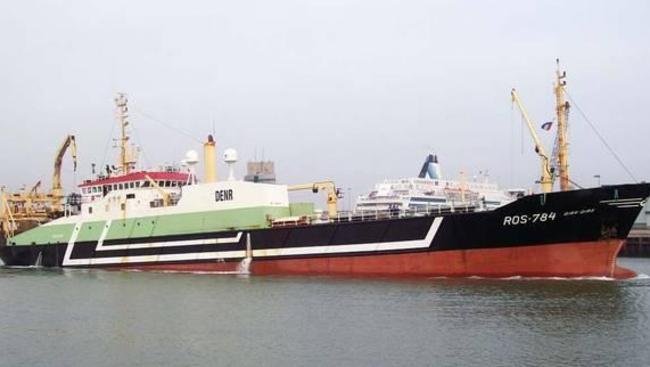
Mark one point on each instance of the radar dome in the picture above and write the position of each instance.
(230, 155)
(191, 157)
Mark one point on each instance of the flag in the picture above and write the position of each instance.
(547, 125)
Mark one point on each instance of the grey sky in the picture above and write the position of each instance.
(356, 91)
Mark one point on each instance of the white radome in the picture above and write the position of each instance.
(191, 157)
(230, 155)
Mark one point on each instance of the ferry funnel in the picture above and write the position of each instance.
(209, 160)
(431, 168)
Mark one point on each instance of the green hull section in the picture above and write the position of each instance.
(222, 220)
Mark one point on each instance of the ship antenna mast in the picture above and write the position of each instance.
(562, 111)
(122, 111)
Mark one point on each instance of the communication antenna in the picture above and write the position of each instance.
(122, 114)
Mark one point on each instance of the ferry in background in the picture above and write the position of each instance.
(430, 191)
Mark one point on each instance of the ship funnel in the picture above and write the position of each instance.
(431, 168)
(209, 161)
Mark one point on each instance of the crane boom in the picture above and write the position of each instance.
(69, 142)
(546, 179)
(6, 217)
(327, 186)
(165, 195)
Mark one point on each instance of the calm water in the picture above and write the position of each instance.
(101, 318)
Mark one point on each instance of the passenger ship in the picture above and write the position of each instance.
(167, 220)
(430, 191)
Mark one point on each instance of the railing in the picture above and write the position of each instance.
(375, 215)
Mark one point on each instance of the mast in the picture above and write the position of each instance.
(562, 111)
(122, 112)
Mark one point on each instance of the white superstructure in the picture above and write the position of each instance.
(429, 191)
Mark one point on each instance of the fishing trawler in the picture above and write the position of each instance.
(168, 220)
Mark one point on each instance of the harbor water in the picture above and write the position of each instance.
(118, 318)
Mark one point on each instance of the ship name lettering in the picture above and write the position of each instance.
(223, 195)
(515, 220)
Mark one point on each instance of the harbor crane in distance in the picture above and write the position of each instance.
(25, 209)
(546, 179)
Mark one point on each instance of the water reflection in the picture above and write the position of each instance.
(184, 319)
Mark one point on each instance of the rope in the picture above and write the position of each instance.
(602, 139)
(139, 144)
(575, 184)
(169, 126)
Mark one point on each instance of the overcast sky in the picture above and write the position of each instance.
(355, 91)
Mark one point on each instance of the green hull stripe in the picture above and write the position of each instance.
(222, 220)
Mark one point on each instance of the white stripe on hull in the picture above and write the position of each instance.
(219, 255)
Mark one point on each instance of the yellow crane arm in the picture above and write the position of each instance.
(8, 221)
(327, 186)
(69, 142)
(546, 180)
(539, 148)
(164, 193)
(34, 190)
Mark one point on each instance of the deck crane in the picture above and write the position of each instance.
(166, 197)
(546, 179)
(327, 186)
(57, 189)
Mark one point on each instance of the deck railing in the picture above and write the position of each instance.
(372, 215)
(375, 215)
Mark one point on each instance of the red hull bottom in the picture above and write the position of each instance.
(594, 259)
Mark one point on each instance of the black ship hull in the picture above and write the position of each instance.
(572, 233)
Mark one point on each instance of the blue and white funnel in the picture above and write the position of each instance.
(431, 168)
